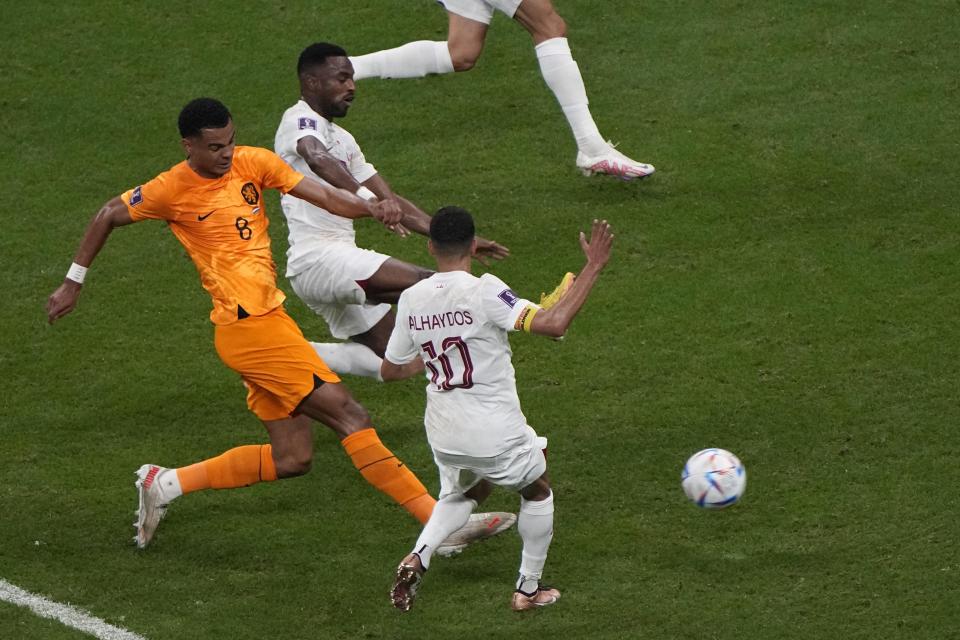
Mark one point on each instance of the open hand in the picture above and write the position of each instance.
(597, 250)
(488, 249)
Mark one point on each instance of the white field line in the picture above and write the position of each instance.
(64, 613)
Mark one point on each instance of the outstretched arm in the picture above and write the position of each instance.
(328, 167)
(113, 214)
(325, 165)
(414, 219)
(344, 203)
(556, 320)
(418, 221)
(390, 371)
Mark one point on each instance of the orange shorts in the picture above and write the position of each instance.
(277, 364)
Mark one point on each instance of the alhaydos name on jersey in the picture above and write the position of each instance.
(439, 320)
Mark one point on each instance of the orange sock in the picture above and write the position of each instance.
(383, 470)
(238, 467)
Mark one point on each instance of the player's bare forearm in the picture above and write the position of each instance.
(113, 214)
(325, 165)
(390, 371)
(417, 220)
(379, 187)
(555, 321)
(414, 218)
(333, 171)
(337, 201)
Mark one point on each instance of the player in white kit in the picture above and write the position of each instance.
(453, 326)
(350, 287)
(466, 32)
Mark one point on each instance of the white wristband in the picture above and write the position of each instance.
(77, 273)
(366, 194)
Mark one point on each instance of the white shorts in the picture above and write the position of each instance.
(480, 10)
(513, 469)
(330, 288)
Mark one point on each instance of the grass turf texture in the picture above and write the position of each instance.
(784, 287)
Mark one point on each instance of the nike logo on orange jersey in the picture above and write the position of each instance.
(201, 218)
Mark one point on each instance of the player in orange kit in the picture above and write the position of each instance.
(213, 203)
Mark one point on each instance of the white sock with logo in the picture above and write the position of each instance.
(450, 513)
(169, 484)
(412, 60)
(535, 524)
(562, 74)
(349, 358)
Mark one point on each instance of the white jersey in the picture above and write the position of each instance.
(458, 324)
(310, 226)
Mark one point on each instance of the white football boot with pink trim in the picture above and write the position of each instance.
(613, 163)
(152, 504)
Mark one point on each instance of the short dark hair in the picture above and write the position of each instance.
(202, 113)
(452, 230)
(317, 54)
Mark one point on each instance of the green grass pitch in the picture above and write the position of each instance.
(785, 287)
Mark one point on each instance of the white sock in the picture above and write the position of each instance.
(349, 357)
(169, 484)
(535, 525)
(412, 60)
(451, 513)
(562, 75)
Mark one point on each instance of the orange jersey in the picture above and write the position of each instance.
(223, 226)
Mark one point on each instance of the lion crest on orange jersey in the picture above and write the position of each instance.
(250, 193)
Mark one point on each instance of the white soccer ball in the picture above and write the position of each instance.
(714, 479)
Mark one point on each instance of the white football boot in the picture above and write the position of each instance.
(544, 596)
(613, 163)
(479, 527)
(152, 505)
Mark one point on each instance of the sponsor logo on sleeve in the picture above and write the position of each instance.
(136, 196)
(509, 297)
(307, 123)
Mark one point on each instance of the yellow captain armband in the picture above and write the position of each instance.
(525, 320)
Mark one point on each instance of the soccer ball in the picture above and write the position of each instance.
(713, 479)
